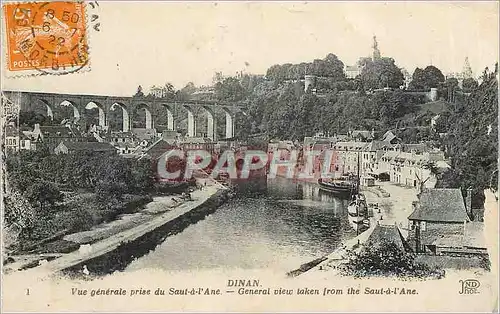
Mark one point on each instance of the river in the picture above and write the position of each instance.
(276, 224)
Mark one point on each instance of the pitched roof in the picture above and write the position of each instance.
(144, 134)
(376, 145)
(169, 134)
(158, 148)
(352, 145)
(120, 135)
(308, 140)
(89, 146)
(389, 136)
(386, 232)
(440, 205)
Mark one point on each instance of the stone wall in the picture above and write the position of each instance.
(432, 232)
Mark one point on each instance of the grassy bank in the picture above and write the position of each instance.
(79, 212)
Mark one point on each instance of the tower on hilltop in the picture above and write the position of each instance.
(376, 52)
(467, 70)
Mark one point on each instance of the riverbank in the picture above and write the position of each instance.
(393, 210)
(111, 236)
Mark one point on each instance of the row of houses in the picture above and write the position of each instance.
(68, 138)
(359, 152)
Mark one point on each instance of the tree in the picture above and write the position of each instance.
(334, 68)
(229, 89)
(386, 259)
(30, 118)
(469, 85)
(381, 73)
(139, 92)
(430, 77)
(330, 67)
(473, 148)
(18, 211)
(143, 176)
(449, 87)
(43, 193)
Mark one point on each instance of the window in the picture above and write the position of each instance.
(422, 226)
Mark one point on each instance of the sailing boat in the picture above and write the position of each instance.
(358, 208)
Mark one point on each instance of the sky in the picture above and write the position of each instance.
(152, 43)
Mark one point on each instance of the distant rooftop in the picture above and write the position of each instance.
(89, 146)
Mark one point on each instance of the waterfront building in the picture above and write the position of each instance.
(351, 155)
(440, 224)
(411, 168)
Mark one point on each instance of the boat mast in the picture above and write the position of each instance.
(359, 178)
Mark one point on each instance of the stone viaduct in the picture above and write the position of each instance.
(81, 104)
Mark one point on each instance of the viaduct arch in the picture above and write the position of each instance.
(153, 107)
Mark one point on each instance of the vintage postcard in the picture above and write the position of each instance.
(249, 156)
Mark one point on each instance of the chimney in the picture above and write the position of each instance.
(468, 203)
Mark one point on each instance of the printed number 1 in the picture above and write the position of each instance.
(28, 291)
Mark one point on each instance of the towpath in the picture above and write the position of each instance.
(111, 243)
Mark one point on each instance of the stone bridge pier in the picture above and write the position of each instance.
(191, 121)
(211, 123)
(230, 117)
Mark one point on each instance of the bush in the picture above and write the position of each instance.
(386, 259)
(76, 220)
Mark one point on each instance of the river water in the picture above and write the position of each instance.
(277, 224)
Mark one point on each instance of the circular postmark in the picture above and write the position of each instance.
(51, 37)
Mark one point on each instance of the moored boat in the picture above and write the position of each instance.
(358, 213)
(343, 187)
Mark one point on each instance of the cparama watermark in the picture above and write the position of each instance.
(293, 164)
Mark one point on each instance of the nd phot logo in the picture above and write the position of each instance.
(469, 286)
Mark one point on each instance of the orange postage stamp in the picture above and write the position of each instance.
(49, 37)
